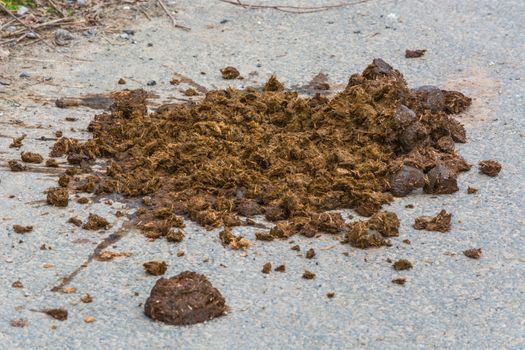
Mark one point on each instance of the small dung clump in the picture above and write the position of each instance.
(58, 196)
(156, 268)
(63, 180)
(52, 163)
(230, 73)
(96, 222)
(22, 229)
(267, 267)
(402, 264)
(399, 280)
(441, 180)
(185, 299)
(234, 242)
(472, 190)
(16, 166)
(308, 275)
(406, 180)
(58, 314)
(175, 236)
(441, 222)
(30, 157)
(310, 253)
(490, 167)
(17, 142)
(415, 53)
(86, 298)
(17, 284)
(280, 268)
(474, 253)
(373, 232)
(75, 221)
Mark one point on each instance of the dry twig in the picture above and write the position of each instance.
(292, 9)
(163, 5)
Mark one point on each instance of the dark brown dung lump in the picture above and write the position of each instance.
(490, 167)
(185, 299)
(58, 196)
(296, 160)
(415, 53)
(441, 222)
(30, 157)
(374, 231)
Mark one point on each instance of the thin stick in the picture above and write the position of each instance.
(55, 7)
(163, 5)
(292, 9)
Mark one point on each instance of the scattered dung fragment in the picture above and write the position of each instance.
(234, 242)
(16, 166)
(75, 221)
(156, 268)
(22, 229)
(63, 180)
(407, 241)
(17, 142)
(472, 190)
(293, 159)
(30, 157)
(58, 314)
(83, 200)
(230, 73)
(310, 253)
(373, 232)
(308, 275)
(121, 81)
(415, 53)
(86, 298)
(402, 264)
(69, 290)
(52, 163)
(295, 247)
(490, 167)
(89, 319)
(280, 268)
(58, 196)
(330, 295)
(96, 222)
(474, 253)
(180, 253)
(19, 322)
(441, 222)
(108, 255)
(399, 280)
(264, 236)
(185, 299)
(175, 236)
(17, 284)
(267, 267)
(190, 92)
